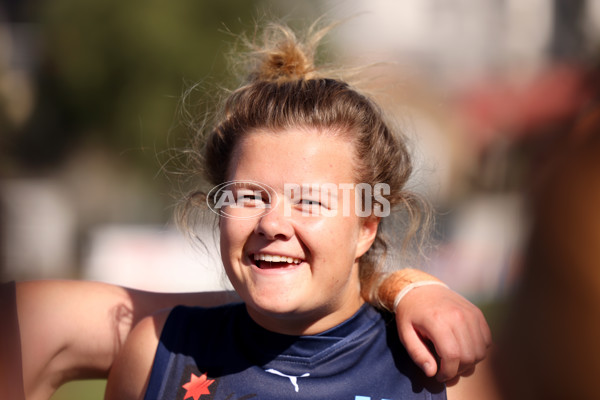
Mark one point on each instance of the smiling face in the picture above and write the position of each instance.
(297, 271)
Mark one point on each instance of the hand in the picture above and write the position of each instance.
(437, 324)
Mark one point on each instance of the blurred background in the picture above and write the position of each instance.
(90, 122)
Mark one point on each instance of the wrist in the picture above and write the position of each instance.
(395, 286)
(405, 290)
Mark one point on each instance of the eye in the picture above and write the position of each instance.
(248, 198)
(311, 206)
(310, 202)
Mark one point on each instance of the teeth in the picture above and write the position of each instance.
(275, 258)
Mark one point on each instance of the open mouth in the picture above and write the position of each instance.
(270, 261)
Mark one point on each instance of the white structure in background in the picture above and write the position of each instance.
(39, 241)
(456, 40)
(153, 258)
(38, 238)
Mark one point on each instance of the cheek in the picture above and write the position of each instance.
(329, 237)
(232, 235)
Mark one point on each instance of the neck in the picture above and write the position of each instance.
(306, 323)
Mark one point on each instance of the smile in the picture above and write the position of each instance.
(267, 261)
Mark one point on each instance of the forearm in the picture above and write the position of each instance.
(144, 303)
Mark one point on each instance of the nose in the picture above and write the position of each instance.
(275, 224)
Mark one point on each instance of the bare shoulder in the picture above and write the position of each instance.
(480, 385)
(129, 375)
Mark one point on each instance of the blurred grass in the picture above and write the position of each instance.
(81, 390)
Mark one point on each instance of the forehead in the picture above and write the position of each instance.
(299, 155)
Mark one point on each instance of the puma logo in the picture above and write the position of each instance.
(293, 379)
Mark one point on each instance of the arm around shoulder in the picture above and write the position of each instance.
(68, 330)
(74, 329)
(130, 373)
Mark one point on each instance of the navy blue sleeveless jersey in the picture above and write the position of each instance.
(222, 354)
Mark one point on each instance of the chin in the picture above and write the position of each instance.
(275, 304)
(278, 306)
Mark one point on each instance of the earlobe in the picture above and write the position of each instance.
(368, 232)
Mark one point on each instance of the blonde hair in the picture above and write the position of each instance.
(283, 88)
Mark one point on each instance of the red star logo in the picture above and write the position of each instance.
(197, 386)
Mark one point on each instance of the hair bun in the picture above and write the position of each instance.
(283, 57)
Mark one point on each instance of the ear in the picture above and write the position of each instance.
(367, 234)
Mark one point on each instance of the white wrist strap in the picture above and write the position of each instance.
(412, 286)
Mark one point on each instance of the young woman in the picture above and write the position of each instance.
(312, 168)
